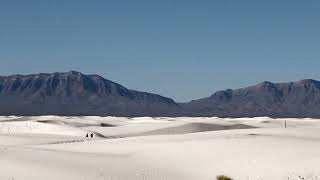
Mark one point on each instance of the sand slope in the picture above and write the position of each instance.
(183, 151)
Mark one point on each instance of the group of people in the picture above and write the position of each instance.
(91, 135)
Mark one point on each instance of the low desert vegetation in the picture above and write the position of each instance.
(223, 177)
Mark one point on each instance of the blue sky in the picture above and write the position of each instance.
(178, 48)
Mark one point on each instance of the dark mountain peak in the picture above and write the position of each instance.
(293, 99)
(74, 93)
(307, 81)
(223, 95)
(265, 85)
(80, 77)
(70, 74)
(223, 92)
(74, 73)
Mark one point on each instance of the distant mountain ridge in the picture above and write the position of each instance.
(294, 99)
(75, 94)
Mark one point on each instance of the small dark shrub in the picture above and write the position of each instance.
(223, 177)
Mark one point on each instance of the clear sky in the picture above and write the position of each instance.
(178, 48)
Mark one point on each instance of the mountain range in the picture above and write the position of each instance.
(76, 94)
(294, 99)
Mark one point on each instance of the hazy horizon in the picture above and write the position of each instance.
(184, 50)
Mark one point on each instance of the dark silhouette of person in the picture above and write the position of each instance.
(91, 135)
(87, 135)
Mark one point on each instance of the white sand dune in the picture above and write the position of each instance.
(43, 127)
(192, 128)
(160, 149)
(35, 139)
(25, 127)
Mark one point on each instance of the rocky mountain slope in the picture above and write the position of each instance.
(294, 99)
(74, 93)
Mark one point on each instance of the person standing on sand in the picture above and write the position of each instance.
(91, 135)
(87, 135)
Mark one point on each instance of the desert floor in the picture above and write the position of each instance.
(56, 148)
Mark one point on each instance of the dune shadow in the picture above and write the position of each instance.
(192, 128)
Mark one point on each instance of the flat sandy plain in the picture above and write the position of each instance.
(56, 148)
